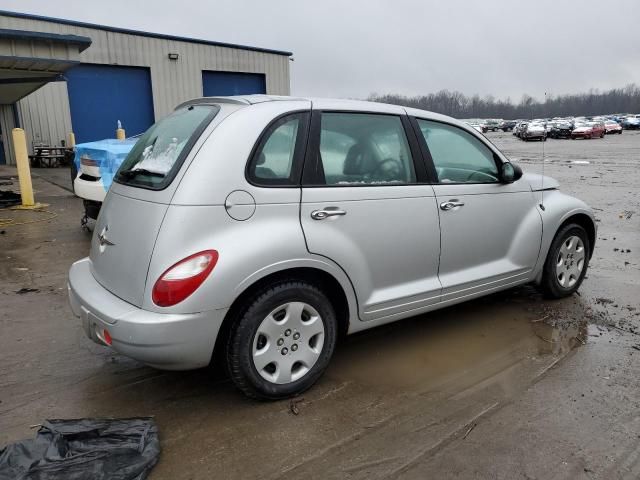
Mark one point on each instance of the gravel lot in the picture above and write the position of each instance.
(510, 386)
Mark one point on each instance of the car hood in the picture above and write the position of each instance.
(582, 129)
(540, 182)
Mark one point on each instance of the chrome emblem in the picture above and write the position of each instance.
(103, 240)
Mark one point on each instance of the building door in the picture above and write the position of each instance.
(232, 83)
(100, 95)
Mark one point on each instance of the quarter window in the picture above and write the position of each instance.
(274, 160)
(363, 149)
(458, 156)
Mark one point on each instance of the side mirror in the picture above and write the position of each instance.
(510, 172)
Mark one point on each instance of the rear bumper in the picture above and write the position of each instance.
(166, 341)
(89, 190)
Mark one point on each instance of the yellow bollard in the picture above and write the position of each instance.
(120, 135)
(22, 162)
(71, 140)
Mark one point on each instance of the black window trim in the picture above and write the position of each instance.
(428, 159)
(298, 152)
(186, 150)
(310, 177)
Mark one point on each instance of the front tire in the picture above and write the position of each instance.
(283, 341)
(567, 262)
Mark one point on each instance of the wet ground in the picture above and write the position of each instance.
(510, 386)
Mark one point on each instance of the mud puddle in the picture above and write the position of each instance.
(458, 347)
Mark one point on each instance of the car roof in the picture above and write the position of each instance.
(327, 104)
(319, 103)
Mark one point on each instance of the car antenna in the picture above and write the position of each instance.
(544, 140)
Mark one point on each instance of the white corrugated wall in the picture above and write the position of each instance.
(7, 124)
(45, 113)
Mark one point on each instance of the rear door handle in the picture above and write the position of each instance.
(450, 205)
(327, 212)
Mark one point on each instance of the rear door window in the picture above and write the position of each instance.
(363, 149)
(159, 153)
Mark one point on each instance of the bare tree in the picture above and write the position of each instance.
(456, 104)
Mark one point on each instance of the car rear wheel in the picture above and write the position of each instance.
(566, 263)
(282, 342)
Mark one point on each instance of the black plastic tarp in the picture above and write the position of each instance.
(120, 449)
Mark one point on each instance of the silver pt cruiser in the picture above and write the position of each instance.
(258, 229)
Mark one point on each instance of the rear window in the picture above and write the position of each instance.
(159, 153)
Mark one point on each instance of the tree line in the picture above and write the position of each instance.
(456, 104)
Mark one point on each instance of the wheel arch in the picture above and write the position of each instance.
(586, 222)
(341, 297)
(579, 216)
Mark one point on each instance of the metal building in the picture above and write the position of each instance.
(59, 76)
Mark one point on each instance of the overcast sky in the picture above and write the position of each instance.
(348, 48)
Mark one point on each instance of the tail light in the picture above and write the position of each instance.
(183, 278)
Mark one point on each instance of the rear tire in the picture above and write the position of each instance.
(293, 324)
(567, 262)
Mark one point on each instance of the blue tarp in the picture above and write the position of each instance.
(108, 155)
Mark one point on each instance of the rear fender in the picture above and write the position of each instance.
(269, 242)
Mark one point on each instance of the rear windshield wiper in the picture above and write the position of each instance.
(132, 172)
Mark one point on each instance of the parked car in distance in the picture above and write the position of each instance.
(476, 124)
(508, 125)
(611, 126)
(561, 129)
(255, 230)
(520, 126)
(534, 131)
(493, 124)
(587, 130)
(631, 122)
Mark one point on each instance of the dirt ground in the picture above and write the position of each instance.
(510, 387)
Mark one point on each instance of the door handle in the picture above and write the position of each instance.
(327, 212)
(450, 205)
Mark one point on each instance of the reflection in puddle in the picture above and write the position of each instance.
(560, 339)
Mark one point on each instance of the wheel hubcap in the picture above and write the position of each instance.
(570, 261)
(288, 342)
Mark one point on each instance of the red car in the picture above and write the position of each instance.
(612, 127)
(588, 130)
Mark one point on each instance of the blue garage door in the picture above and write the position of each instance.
(100, 95)
(232, 83)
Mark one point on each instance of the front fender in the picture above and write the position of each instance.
(558, 209)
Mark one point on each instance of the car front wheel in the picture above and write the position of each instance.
(567, 262)
(283, 341)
